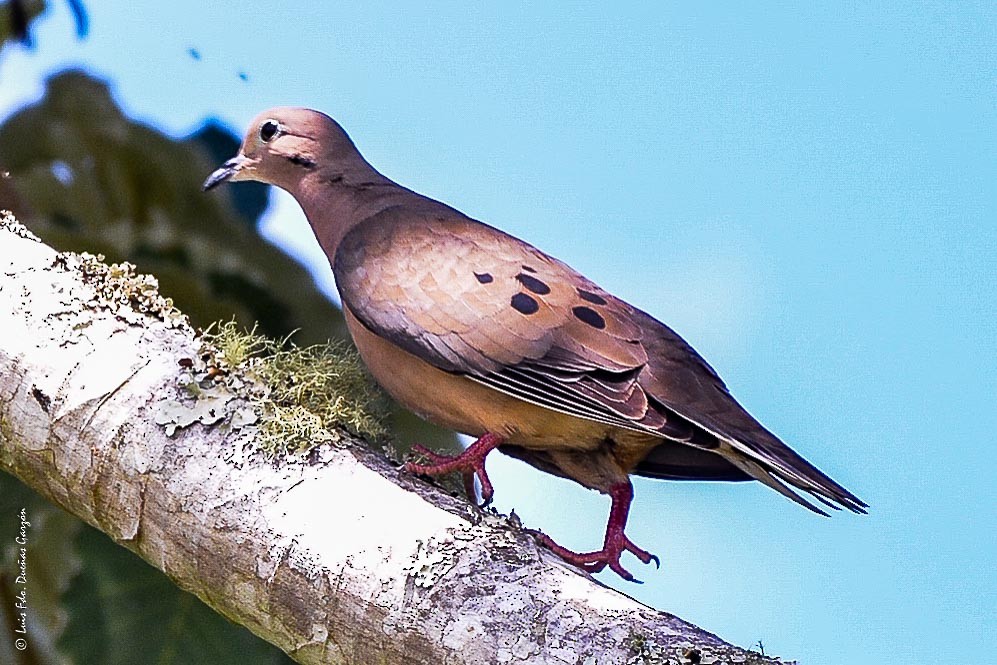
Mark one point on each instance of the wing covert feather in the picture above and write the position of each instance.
(471, 299)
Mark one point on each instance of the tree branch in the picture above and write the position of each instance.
(335, 557)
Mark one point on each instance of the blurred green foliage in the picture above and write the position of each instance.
(16, 17)
(85, 177)
(13, 12)
(52, 563)
(112, 621)
(90, 601)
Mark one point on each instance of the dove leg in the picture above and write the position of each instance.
(615, 544)
(469, 463)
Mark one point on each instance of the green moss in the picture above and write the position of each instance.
(304, 394)
(235, 346)
(6, 431)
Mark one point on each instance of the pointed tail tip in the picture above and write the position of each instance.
(847, 501)
(859, 507)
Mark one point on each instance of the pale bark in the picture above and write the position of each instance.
(335, 557)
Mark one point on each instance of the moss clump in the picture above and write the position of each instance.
(302, 395)
(232, 347)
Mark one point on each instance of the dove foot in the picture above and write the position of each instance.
(469, 463)
(615, 544)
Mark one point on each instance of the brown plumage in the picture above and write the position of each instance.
(483, 333)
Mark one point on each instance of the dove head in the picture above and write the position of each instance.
(284, 145)
(308, 154)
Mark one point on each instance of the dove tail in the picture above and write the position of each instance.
(784, 471)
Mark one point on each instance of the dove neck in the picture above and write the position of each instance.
(336, 201)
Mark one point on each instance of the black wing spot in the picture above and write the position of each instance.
(528, 269)
(484, 277)
(533, 284)
(589, 316)
(524, 304)
(593, 298)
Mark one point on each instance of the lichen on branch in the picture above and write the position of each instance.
(119, 287)
(294, 397)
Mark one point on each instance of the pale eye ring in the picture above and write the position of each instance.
(268, 130)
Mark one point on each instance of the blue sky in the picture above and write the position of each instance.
(807, 195)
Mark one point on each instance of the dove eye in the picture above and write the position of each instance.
(268, 130)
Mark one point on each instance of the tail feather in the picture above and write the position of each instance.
(758, 472)
(777, 466)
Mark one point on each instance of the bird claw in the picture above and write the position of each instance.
(485, 502)
(426, 452)
(614, 544)
(470, 464)
(594, 562)
(487, 493)
(644, 556)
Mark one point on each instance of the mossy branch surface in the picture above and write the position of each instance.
(301, 395)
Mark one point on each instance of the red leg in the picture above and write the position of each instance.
(469, 463)
(615, 544)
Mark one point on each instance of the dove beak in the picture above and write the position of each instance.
(227, 171)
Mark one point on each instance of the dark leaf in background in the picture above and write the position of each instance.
(80, 18)
(52, 563)
(16, 17)
(250, 198)
(124, 612)
(19, 22)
